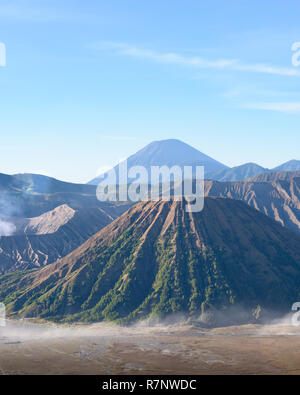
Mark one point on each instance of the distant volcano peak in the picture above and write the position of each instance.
(170, 152)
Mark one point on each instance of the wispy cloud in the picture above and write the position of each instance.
(35, 11)
(196, 62)
(2, 55)
(261, 68)
(290, 108)
(168, 57)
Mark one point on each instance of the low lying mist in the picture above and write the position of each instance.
(8, 208)
(175, 324)
(22, 330)
(7, 228)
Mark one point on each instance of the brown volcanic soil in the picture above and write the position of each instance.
(178, 349)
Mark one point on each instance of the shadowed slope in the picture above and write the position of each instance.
(276, 195)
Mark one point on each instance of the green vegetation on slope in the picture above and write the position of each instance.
(157, 260)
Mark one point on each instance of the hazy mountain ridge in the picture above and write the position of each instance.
(36, 183)
(42, 240)
(278, 199)
(237, 173)
(276, 176)
(292, 165)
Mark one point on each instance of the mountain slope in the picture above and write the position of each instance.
(43, 219)
(168, 153)
(276, 176)
(292, 165)
(157, 259)
(39, 241)
(279, 199)
(31, 195)
(237, 173)
(35, 183)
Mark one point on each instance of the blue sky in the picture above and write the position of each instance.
(88, 83)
